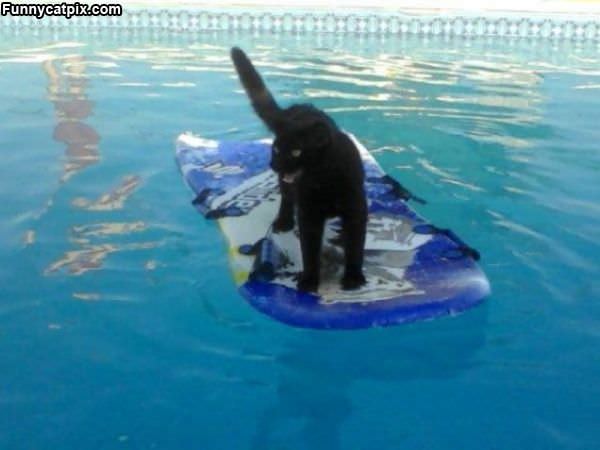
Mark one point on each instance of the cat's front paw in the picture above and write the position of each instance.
(307, 282)
(353, 280)
(283, 224)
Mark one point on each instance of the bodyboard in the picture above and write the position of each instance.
(414, 270)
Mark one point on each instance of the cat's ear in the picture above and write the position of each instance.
(319, 135)
(278, 124)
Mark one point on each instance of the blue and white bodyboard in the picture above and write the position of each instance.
(414, 270)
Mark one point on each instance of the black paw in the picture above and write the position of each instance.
(307, 283)
(283, 224)
(353, 281)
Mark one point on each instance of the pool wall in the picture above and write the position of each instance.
(545, 25)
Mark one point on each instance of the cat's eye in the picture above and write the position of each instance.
(296, 153)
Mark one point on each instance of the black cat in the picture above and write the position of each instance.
(319, 169)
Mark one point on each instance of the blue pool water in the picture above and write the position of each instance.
(120, 326)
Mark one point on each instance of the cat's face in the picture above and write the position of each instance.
(297, 150)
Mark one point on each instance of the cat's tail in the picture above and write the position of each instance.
(262, 100)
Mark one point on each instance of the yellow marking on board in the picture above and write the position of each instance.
(239, 276)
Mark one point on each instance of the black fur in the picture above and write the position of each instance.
(319, 170)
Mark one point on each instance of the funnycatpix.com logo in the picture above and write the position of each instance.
(68, 10)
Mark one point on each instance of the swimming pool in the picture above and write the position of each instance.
(121, 328)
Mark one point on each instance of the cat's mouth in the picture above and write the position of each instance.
(291, 176)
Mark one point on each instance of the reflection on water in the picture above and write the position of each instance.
(67, 82)
(314, 382)
(115, 199)
(86, 296)
(91, 257)
(29, 237)
(84, 232)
